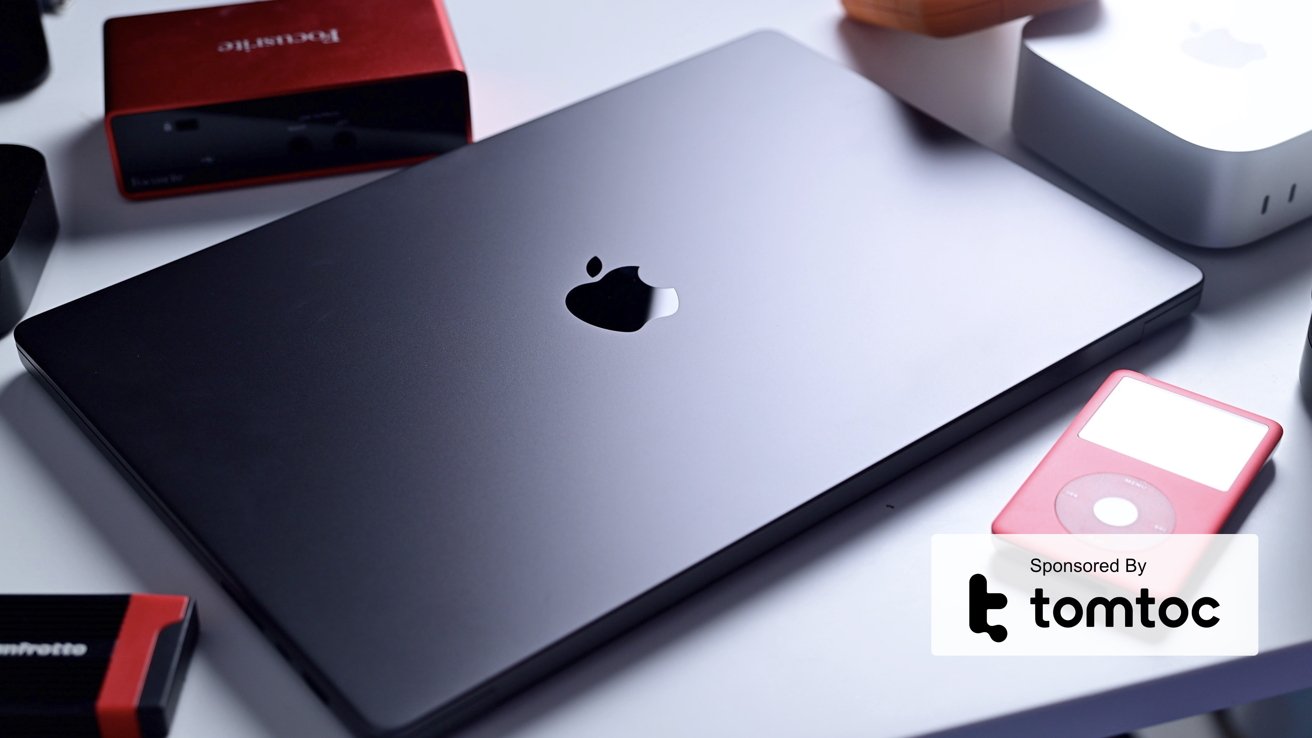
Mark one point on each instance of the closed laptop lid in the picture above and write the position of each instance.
(380, 424)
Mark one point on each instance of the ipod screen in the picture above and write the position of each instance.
(1195, 440)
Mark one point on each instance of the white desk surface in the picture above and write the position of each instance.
(828, 636)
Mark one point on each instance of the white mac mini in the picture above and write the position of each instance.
(1194, 115)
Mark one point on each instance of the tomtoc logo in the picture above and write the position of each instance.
(981, 601)
(248, 45)
(1119, 594)
(43, 649)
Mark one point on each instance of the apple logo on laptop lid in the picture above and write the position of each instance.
(620, 301)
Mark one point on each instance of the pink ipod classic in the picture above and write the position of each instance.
(1143, 457)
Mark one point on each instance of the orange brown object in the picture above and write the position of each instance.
(947, 17)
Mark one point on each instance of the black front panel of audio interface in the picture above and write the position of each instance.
(343, 127)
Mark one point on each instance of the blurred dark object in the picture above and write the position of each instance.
(1305, 377)
(28, 226)
(24, 58)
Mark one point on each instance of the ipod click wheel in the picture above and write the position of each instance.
(1143, 456)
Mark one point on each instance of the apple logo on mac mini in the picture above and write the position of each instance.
(1220, 47)
(620, 301)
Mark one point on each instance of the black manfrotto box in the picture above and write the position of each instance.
(93, 666)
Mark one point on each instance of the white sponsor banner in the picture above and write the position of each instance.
(1094, 595)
